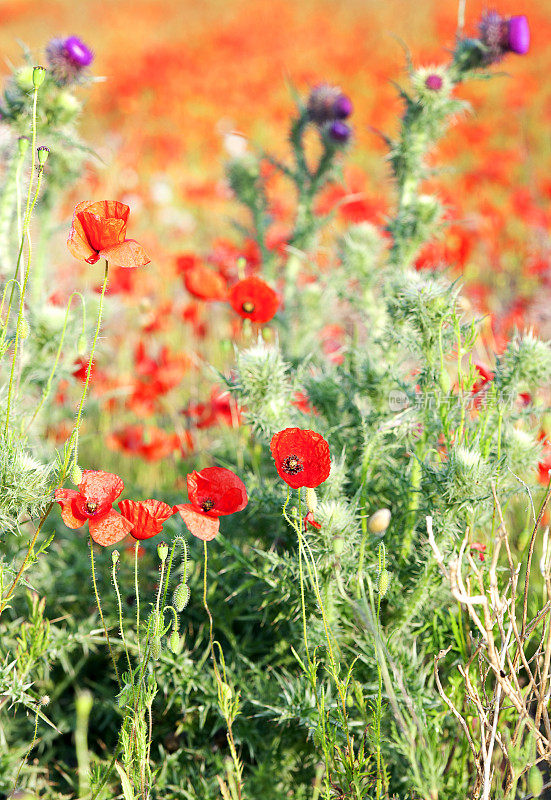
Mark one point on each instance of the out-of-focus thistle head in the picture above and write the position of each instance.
(327, 104)
(67, 59)
(502, 35)
(497, 36)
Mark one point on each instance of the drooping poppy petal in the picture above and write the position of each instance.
(109, 529)
(65, 498)
(200, 525)
(301, 457)
(216, 491)
(100, 229)
(254, 299)
(128, 254)
(146, 516)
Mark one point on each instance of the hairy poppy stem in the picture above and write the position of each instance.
(101, 612)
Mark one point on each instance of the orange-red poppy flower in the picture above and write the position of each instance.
(301, 457)
(214, 492)
(253, 299)
(204, 283)
(94, 502)
(146, 516)
(99, 230)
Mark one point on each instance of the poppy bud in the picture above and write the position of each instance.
(384, 582)
(174, 642)
(81, 344)
(23, 328)
(535, 782)
(39, 73)
(180, 598)
(162, 551)
(311, 500)
(76, 474)
(155, 648)
(338, 545)
(379, 521)
(43, 153)
(23, 145)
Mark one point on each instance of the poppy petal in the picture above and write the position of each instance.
(201, 526)
(65, 499)
(127, 254)
(109, 529)
(100, 487)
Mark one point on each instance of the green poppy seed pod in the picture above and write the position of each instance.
(23, 144)
(311, 500)
(81, 344)
(23, 328)
(24, 78)
(76, 474)
(42, 153)
(162, 551)
(155, 648)
(115, 556)
(338, 545)
(39, 73)
(180, 598)
(384, 582)
(379, 521)
(174, 642)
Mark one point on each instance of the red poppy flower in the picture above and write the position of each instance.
(480, 549)
(214, 492)
(93, 502)
(99, 229)
(301, 457)
(204, 283)
(146, 516)
(253, 299)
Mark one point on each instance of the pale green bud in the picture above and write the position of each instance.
(76, 474)
(81, 344)
(155, 648)
(23, 328)
(311, 500)
(379, 521)
(174, 642)
(23, 144)
(338, 545)
(115, 556)
(535, 782)
(384, 582)
(162, 551)
(42, 153)
(180, 598)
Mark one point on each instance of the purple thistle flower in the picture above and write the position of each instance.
(434, 82)
(501, 35)
(519, 35)
(339, 132)
(77, 52)
(342, 107)
(327, 104)
(67, 59)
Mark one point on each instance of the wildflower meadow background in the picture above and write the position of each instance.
(275, 430)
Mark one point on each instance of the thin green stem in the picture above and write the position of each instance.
(119, 604)
(26, 756)
(101, 612)
(137, 591)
